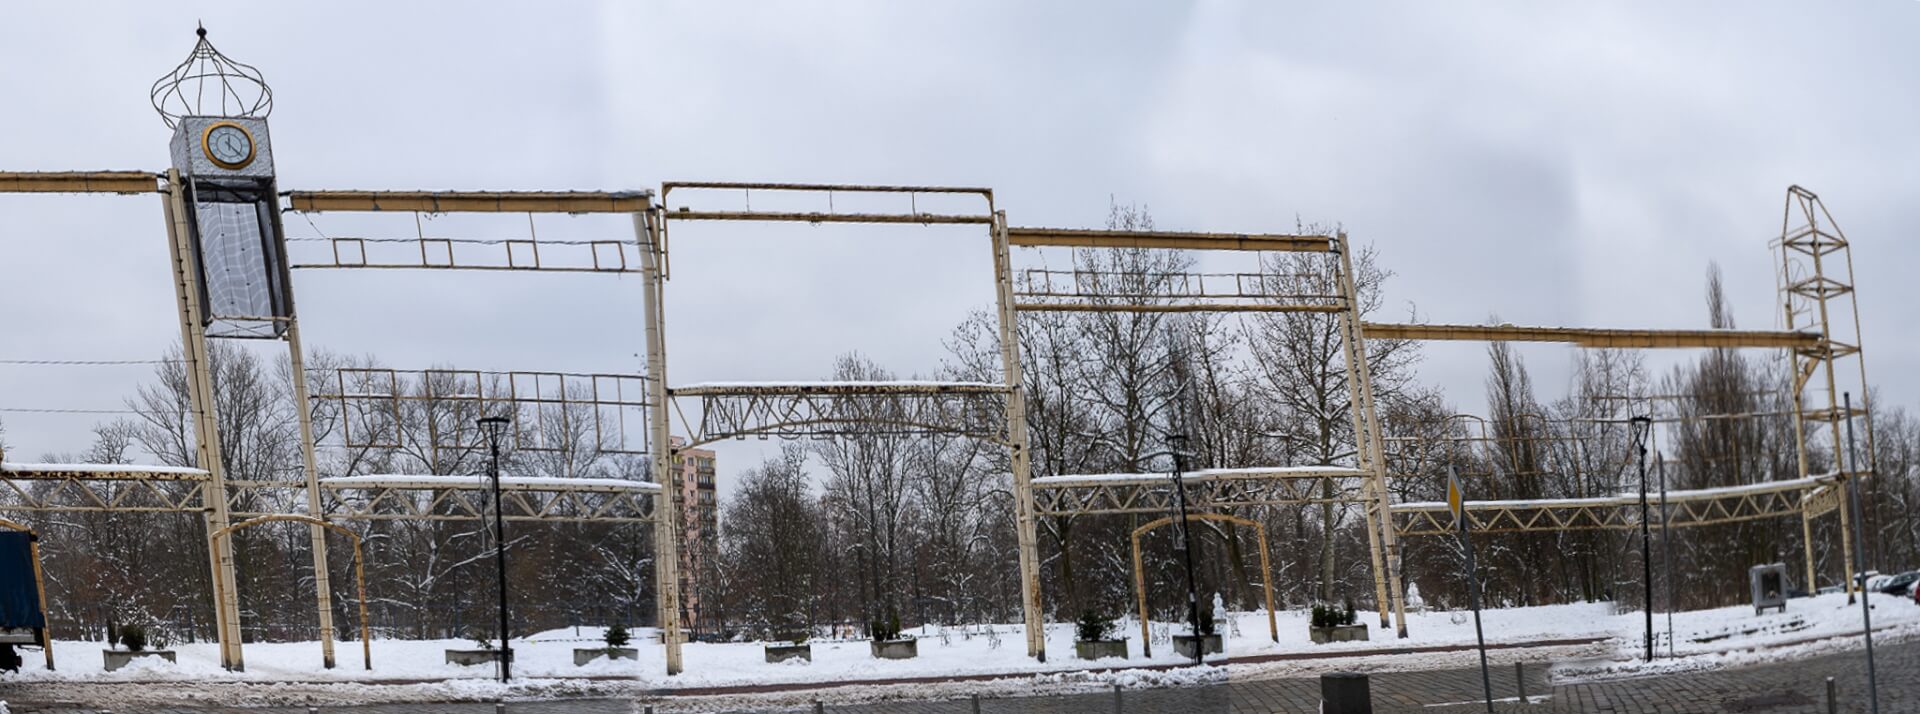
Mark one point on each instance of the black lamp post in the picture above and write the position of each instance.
(1176, 448)
(493, 425)
(1644, 426)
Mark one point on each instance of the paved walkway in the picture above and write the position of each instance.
(1782, 688)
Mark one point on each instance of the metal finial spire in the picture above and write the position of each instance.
(210, 84)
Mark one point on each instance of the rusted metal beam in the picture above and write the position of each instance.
(744, 389)
(1089, 238)
(669, 186)
(472, 201)
(1187, 307)
(1596, 337)
(819, 217)
(121, 182)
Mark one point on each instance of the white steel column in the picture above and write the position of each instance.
(1021, 458)
(322, 581)
(1368, 442)
(200, 392)
(666, 506)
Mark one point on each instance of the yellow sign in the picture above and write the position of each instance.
(1454, 498)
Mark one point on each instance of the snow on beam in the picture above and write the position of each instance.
(1199, 476)
(103, 472)
(1631, 499)
(1594, 337)
(507, 483)
(906, 386)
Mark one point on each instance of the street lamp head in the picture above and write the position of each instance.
(493, 421)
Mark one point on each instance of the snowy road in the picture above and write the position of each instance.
(1772, 688)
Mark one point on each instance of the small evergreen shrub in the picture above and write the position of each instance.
(1093, 626)
(134, 637)
(1204, 627)
(886, 629)
(1329, 616)
(617, 635)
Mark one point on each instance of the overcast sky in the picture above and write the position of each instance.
(1551, 163)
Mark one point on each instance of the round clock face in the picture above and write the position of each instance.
(229, 145)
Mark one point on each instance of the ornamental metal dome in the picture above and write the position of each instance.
(211, 84)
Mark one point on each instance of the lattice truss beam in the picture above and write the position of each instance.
(57, 488)
(835, 409)
(468, 498)
(428, 248)
(1682, 509)
(1206, 490)
(435, 409)
(1086, 289)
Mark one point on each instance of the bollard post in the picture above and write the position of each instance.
(1345, 693)
(1520, 680)
(649, 709)
(1832, 706)
(499, 708)
(313, 710)
(819, 708)
(1118, 705)
(976, 704)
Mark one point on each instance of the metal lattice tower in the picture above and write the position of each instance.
(1817, 295)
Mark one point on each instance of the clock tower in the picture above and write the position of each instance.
(230, 271)
(222, 150)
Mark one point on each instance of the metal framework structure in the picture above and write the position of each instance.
(1821, 333)
(1140, 570)
(1094, 291)
(1822, 337)
(830, 409)
(1206, 489)
(376, 398)
(992, 412)
(551, 411)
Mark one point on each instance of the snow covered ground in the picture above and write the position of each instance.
(942, 651)
(1735, 636)
(544, 662)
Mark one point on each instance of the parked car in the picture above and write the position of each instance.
(1869, 580)
(1899, 585)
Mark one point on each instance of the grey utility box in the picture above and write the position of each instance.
(1769, 585)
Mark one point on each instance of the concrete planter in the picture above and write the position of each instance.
(1338, 633)
(1211, 644)
(583, 655)
(895, 649)
(782, 653)
(119, 658)
(468, 658)
(1100, 649)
